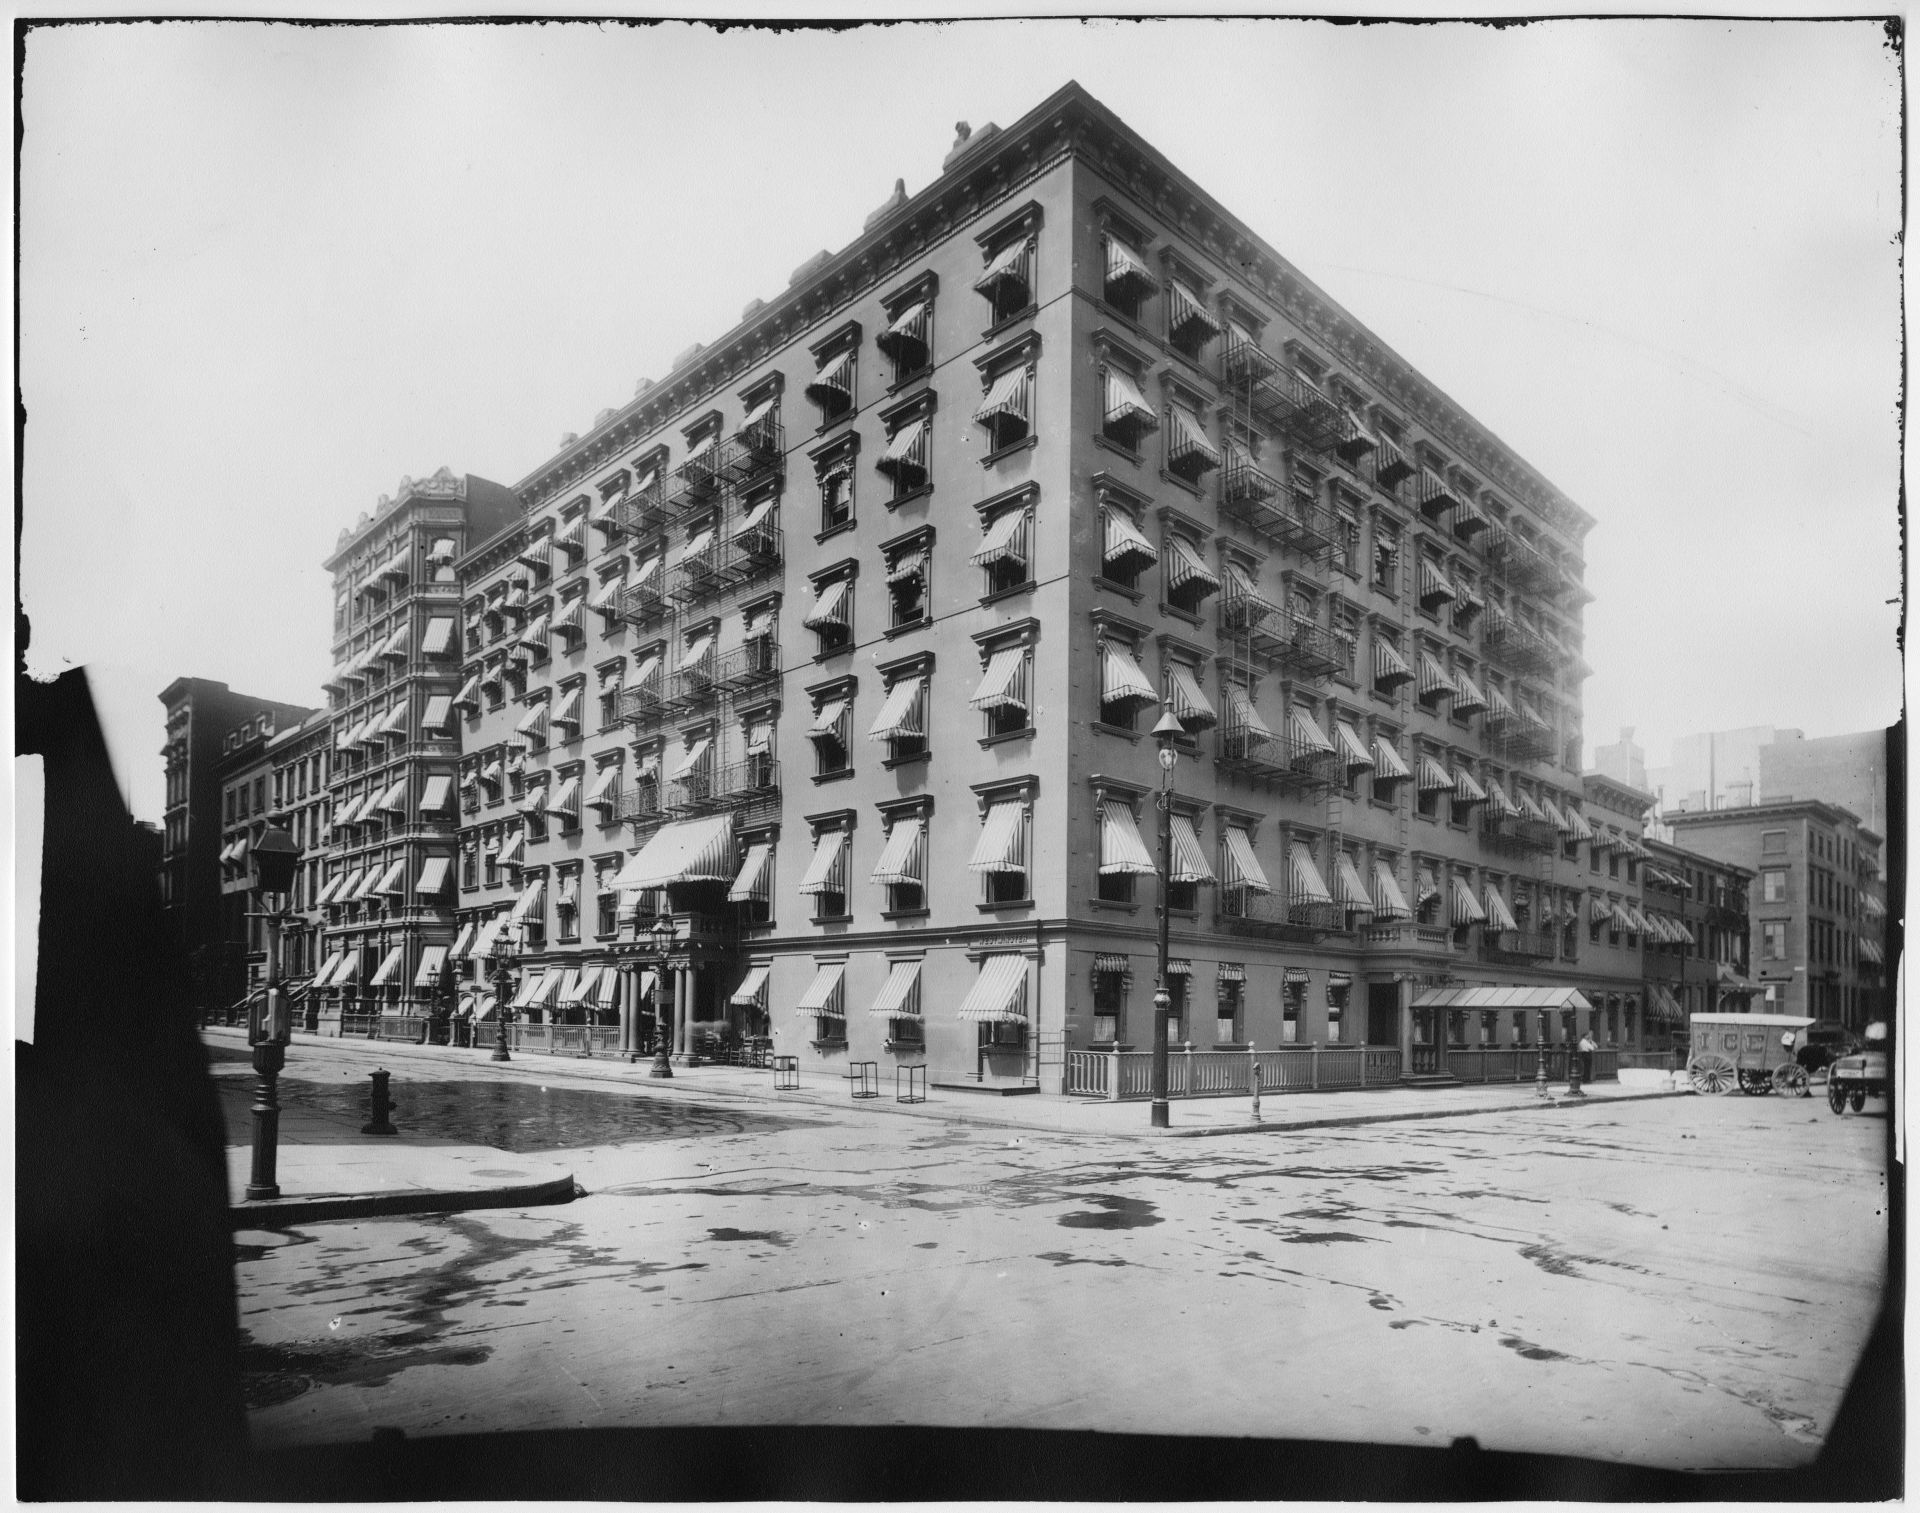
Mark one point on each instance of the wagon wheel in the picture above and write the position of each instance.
(1753, 1083)
(1792, 1080)
(1858, 1098)
(1712, 1074)
(1836, 1095)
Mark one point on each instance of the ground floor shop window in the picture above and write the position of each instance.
(1176, 1001)
(1231, 1005)
(1339, 994)
(1293, 1003)
(1489, 1027)
(1109, 999)
(1003, 1033)
(1520, 1019)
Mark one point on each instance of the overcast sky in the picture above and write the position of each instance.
(266, 270)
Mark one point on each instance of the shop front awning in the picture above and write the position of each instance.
(1542, 997)
(822, 994)
(897, 993)
(999, 994)
(688, 851)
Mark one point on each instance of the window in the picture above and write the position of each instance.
(1773, 842)
(1125, 552)
(1000, 853)
(907, 461)
(566, 903)
(1390, 668)
(606, 896)
(1179, 974)
(1111, 980)
(831, 732)
(836, 361)
(902, 868)
(831, 616)
(1386, 557)
(836, 492)
(902, 721)
(1008, 251)
(1002, 692)
(1128, 284)
(1434, 780)
(1773, 939)
(1190, 455)
(1293, 1005)
(825, 880)
(1339, 998)
(1230, 1007)
(907, 340)
(1124, 689)
(1125, 415)
(1189, 580)
(1389, 770)
(825, 1000)
(1346, 544)
(1005, 552)
(1773, 886)
(1123, 854)
(611, 677)
(1006, 408)
(1189, 326)
(909, 573)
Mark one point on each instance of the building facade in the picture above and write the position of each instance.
(195, 833)
(808, 696)
(1697, 951)
(1816, 910)
(389, 891)
(301, 758)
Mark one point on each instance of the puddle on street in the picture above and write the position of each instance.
(1120, 1213)
(769, 1236)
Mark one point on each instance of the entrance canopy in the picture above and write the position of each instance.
(1503, 998)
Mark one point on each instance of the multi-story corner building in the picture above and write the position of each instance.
(389, 890)
(809, 694)
(300, 758)
(1816, 912)
(201, 714)
(1697, 958)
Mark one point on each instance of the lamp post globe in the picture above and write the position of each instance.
(663, 938)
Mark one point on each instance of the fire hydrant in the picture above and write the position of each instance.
(382, 1107)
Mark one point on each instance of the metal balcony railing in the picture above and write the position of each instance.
(1511, 835)
(1286, 516)
(1529, 945)
(694, 687)
(643, 706)
(642, 511)
(694, 482)
(640, 804)
(1295, 406)
(1262, 632)
(642, 604)
(1275, 760)
(755, 453)
(1523, 564)
(1245, 912)
(751, 662)
(736, 785)
(740, 559)
(1524, 651)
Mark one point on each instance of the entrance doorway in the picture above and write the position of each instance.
(1383, 1013)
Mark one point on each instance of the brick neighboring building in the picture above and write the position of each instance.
(1698, 958)
(201, 715)
(1816, 910)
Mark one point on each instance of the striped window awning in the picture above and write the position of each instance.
(533, 989)
(1002, 846)
(433, 961)
(1468, 697)
(1308, 886)
(755, 878)
(690, 759)
(903, 857)
(510, 850)
(1435, 586)
(688, 851)
(1125, 269)
(1435, 681)
(1499, 707)
(1185, 699)
(1870, 951)
(1389, 667)
(395, 646)
(901, 713)
(1426, 885)
(1499, 916)
(822, 995)
(1348, 887)
(565, 798)
(1353, 750)
(1242, 867)
(536, 633)
(905, 339)
(434, 797)
(463, 940)
(325, 895)
(1529, 810)
(1387, 765)
(1498, 801)
(752, 991)
(828, 721)
(1121, 542)
(905, 459)
(1466, 908)
(1010, 265)
(1434, 777)
(1121, 848)
(1599, 909)
(1187, 443)
(1179, 966)
(1121, 400)
(759, 737)
(832, 385)
(829, 606)
(1577, 825)
(820, 875)
(1005, 539)
(1185, 570)
(568, 712)
(698, 648)
(528, 904)
(1004, 683)
(394, 800)
(1305, 732)
(1871, 904)
(327, 969)
(433, 876)
(1388, 901)
(1109, 961)
(756, 513)
(438, 711)
(759, 413)
(1187, 313)
(1190, 863)
(899, 994)
(1242, 717)
(999, 994)
(1230, 971)
(1121, 680)
(1636, 921)
(1007, 395)
(389, 968)
(1466, 790)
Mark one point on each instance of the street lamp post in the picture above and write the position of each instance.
(502, 953)
(1540, 1067)
(1164, 733)
(275, 856)
(663, 937)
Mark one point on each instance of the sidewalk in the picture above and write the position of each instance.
(1039, 1112)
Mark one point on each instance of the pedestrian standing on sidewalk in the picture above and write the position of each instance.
(1587, 1048)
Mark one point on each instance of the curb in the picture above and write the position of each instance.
(1399, 1118)
(272, 1213)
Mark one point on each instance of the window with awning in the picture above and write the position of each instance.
(1122, 851)
(1468, 697)
(1189, 453)
(533, 989)
(1189, 861)
(899, 994)
(688, 851)
(1242, 718)
(434, 797)
(326, 894)
(437, 639)
(1004, 683)
(393, 880)
(1466, 908)
(1002, 846)
(1349, 890)
(689, 767)
(1577, 825)
(1390, 669)
(389, 968)
(832, 386)
(527, 906)
(762, 411)
(752, 992)
(1185, 699)
(394, 800)
(1007, 281)
(1241, 867)
(1007, 410)
(829, 731)
(395, 646)
(825, 874)
(1465, 790)
(439, 710)
(1436, 588)
(533, 724)
(903, 857)
(1188, 323)
(1308, 886)
(567, 712)
(907, 338)
(1305, 735)
(433, 876)
(396, 721)
(1499, 916)
(1125, 553)
(902, 712)
(1435, 683)
(754, 882)
(1189, 580)
(999, 993)
(323, 977)
(433, 961)
(905, 457)
(830, 606)
(1353, 750)
(1005, 540)
(1389, 902)
(564, 800)
(1434, 777)
(1128, 280)
(1529, 810)
(823, 996)
(1122, 683)
(1498, 803)
(1125, 414)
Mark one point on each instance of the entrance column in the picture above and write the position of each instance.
(623, 1002)
(682, 1011)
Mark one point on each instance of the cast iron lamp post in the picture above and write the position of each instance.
(502, 954)
(1164, 733)
(1540, 1067)
(663, 936)
(275, 856)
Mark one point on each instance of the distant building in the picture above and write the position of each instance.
(301, 761)
(1623, 761)
(1716, 769)
(1816, 911)
(1848, 770)
(201, 714)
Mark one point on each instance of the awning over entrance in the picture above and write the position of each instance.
(1542, 997)
(1000, 992)
(689, 851)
